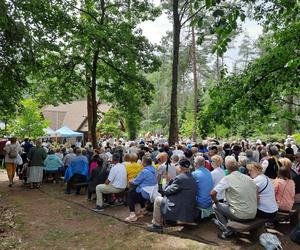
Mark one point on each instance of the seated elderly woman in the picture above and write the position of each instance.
(132, 167)
(294, 175)
(77, 172)
(179, 203)
(165, 172)
(218, 173)
(284, 189)
(146, 178)
(243, 160)
(267, 205)
(52, 164)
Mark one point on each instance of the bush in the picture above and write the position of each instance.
(297, 138)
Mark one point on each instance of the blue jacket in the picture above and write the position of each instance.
(205, 184)
(52, 162)
(146, 178)
(78, 166)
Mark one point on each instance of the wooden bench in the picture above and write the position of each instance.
(292, 216)
(255, 227)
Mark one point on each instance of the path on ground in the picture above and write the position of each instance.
(45, 222)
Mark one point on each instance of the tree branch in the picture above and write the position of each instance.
(192, 16)
(268, 73)
(286, 102)
(183, 9)
(119, 71)
(86, 12)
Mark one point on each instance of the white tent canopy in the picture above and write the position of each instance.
(49, 132)
(66, 132)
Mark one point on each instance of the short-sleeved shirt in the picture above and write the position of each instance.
(8, 147)
(204, 182)
(240, 192)
(133, 169)
(118, 176)
(217, 175)
(267, 202)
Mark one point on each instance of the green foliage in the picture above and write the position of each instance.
(252, 101)
(56, 60)
(297, 138)
(110, 124)
(29, 122)
(187, 125)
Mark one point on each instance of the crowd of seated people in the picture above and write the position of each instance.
(185, 183)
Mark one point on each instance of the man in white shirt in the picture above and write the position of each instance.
(115, 183)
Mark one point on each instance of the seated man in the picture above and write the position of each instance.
(241, 197)
(115, 183)
(205, 184)
(146, 178)
(179, 203)
(77, 172)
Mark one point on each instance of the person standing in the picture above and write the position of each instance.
(12, 149)
(36, 156)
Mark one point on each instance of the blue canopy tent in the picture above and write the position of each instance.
(66, 132)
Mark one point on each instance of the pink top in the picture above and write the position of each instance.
(284, 193)
(92, 166)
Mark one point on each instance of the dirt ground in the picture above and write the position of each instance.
(49, 219)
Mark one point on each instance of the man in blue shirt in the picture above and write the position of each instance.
(205, 184)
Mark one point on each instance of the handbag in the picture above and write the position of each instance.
(270, 241)
(18, 160)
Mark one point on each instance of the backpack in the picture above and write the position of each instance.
(295, 234)
(13, 153)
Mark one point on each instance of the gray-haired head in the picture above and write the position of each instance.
(199, 161)
(231, 164)
(273, 150)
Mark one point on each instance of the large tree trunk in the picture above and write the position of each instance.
(173, 129)
(289, 127)
(89, 105)
(94, 105)
(194, 64)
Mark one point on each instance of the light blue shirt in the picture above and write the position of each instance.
(146, 178)
(205, 184)
(52, 162)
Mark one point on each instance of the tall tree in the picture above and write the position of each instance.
(195, 80)
(105, 46)
(173, 130)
